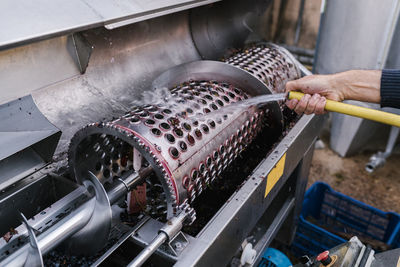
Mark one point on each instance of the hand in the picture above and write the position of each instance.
(317, 88)
(361, 85)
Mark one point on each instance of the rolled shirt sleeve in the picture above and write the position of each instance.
(390, 88)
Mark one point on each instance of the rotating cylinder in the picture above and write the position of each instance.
(191, 138)
(272, 64)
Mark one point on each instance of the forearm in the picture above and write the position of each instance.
(373, 86)
(361, 85)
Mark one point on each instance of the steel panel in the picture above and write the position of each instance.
(27, 21)
(27, 140)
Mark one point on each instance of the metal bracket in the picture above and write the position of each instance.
(176, 245)
(378, 160)
(80, 50)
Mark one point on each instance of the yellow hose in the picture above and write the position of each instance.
(356, 111)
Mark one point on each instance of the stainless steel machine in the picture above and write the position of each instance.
(146, 146)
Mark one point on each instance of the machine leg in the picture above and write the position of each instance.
(378, 160)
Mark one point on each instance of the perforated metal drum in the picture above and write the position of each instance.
(270, 63)
(188, 141)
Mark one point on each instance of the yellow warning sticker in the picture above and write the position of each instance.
(275, 174)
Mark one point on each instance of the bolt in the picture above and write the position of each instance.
(178, 246)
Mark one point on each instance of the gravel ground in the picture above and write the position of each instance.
(347, 175)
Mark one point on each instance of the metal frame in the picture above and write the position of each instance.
(105, 89)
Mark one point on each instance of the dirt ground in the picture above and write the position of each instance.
(380, 189)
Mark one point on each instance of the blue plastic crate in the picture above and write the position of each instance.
(340, 214)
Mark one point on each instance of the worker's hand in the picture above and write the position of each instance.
(360, 85)
(317, 88)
